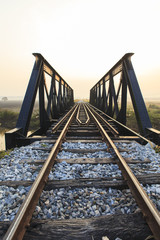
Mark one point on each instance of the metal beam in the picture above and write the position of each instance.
(142, 116)
(51, 105)
(129, 81)
(29, 99)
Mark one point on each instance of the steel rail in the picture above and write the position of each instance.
(122, 125)
(78, 115)
(110, 127)
(149, 211)
(88, 118)
(21, 221)
(57, 126)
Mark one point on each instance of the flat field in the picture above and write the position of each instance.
(153, 109)
(9, 111)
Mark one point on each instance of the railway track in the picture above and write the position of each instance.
(86, 182)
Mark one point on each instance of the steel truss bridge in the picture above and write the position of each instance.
(109, 95)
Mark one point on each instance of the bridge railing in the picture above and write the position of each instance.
(52, 102)
(109, 94)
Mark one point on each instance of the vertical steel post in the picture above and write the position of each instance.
(41, 103)
(122, 114)
(99, 95)
(50, 98)
(68, 100)
(96, 92)
(110, 105)
(72, 97)
(137, 99)
(113, 94)
(29, 99)
(64, 96)
(104, 100)
(54, 100)
(59, 99)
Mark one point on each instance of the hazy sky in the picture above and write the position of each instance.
(81, 39)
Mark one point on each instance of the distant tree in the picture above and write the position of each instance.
(4, 98)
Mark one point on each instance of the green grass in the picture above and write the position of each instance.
(154, 114)
(4, 153)
(157, 149)
(34, 123)
(9, 118)
(131, 120)
(9, 112)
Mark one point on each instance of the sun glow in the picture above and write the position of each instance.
(81, 39)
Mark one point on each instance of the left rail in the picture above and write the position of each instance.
(18, 227)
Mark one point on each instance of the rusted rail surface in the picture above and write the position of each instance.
(57, 126)
(18, 227)
(124, 127)
(146, 205)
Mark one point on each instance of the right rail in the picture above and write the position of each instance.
(149, 211)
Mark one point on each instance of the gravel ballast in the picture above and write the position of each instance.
(66, 203)
(15, 166)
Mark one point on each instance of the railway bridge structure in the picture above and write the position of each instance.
(79, 159)
(109, 95)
